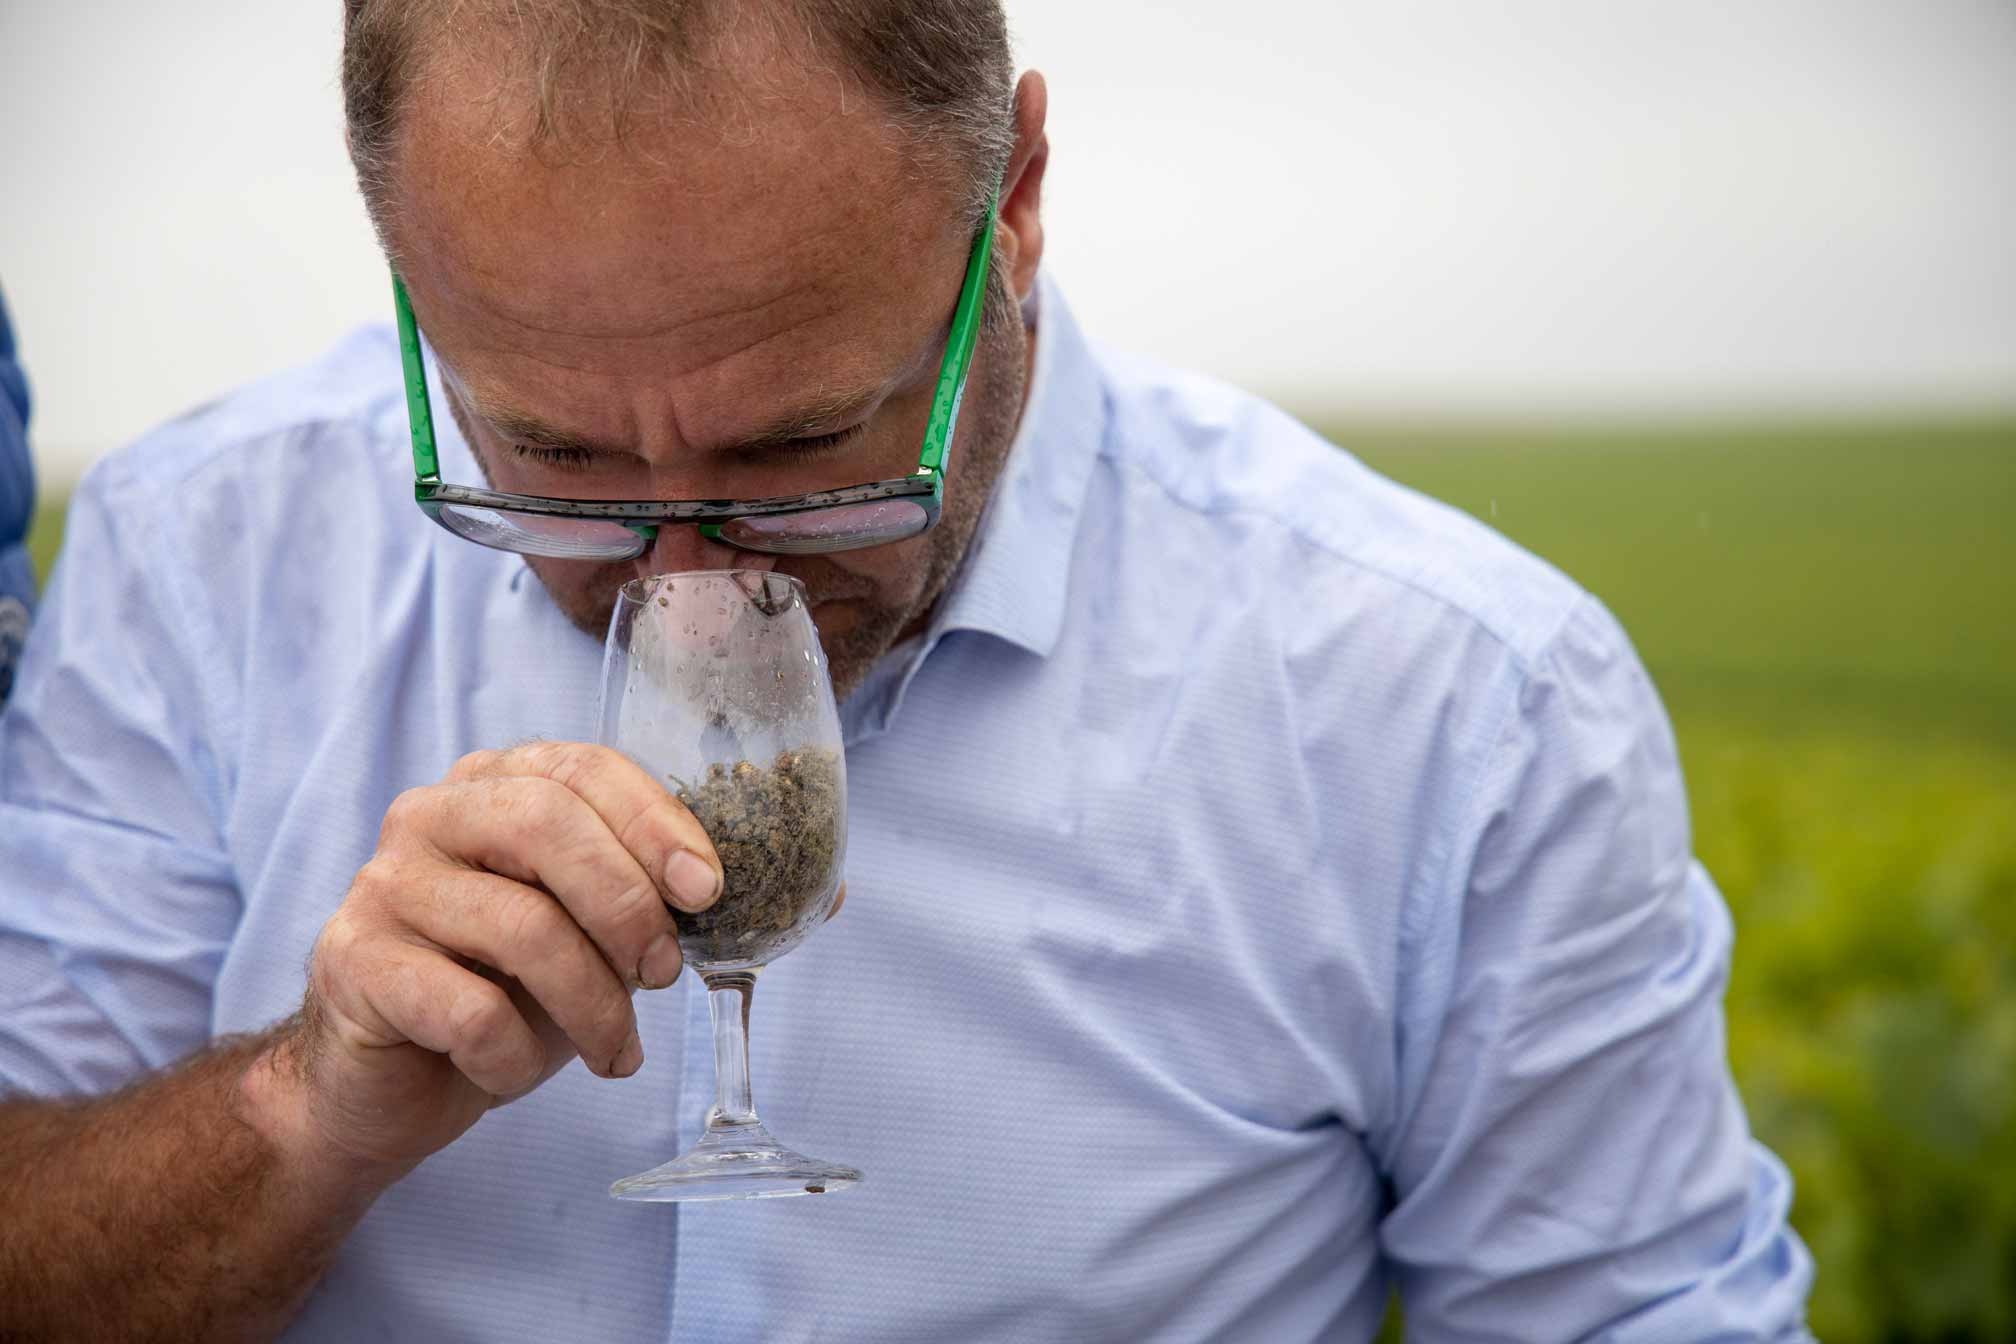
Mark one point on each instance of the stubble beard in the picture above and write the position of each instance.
(990, 417)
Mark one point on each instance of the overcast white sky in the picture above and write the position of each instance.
(1527, 206)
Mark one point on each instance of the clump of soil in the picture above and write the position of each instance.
(777, 829)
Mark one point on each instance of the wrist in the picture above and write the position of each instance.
(275, 1100)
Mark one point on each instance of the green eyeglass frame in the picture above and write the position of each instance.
(925, 487)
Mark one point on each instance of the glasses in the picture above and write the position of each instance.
(810, 524)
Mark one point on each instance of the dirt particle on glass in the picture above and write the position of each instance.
(776, 828)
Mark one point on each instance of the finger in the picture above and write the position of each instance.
(400, 991)
(839, 898)
(560, 1051)
(538, 832)
(528, 936)
(643, 816)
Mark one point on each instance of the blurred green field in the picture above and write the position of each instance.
(1831, 615)
(1859, 579)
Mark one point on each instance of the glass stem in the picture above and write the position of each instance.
(728, 1001)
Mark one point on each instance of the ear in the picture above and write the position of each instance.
(1019, 235)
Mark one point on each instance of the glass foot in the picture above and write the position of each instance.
(738, 1162)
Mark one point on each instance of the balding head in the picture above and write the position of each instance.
(574, 76)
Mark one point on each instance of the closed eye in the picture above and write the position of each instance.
(570, 458)
(796, 449)
(564, 458)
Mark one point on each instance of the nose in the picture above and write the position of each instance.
(681, 549)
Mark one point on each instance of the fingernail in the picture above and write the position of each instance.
(691, 881)
(660, 966)
(630, 1058)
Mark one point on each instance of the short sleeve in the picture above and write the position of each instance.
(117, 899)
(1574, 1162)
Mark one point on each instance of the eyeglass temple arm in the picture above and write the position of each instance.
(419, 410)
(951, 392)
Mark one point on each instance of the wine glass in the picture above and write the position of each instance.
(714, 682)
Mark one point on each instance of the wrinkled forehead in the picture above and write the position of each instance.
(751, 195)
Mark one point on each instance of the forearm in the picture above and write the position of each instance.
(181, 1208)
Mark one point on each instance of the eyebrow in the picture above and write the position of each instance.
(823, 416)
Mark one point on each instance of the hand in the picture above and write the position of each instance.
(500, 929)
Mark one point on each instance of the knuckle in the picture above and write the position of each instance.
(586, 768)
(376, 883)
(623, 926)
(532, 923)
(658, 826)
(337, 942)
(334, 957)
(545, 808)
(478, 1014)
(654, 829)
(530, 1060)
(473, 765)
(407, 813)
(561, 762)
(640, 907)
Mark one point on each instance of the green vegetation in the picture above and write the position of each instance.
(1831, 614)
(44, 532)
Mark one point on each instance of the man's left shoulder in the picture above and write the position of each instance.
(1230, 471)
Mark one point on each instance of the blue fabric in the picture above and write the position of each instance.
(17, 506)
(1265, 886)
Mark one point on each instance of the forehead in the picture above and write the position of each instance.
(742, 219)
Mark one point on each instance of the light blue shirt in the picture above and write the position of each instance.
(1266, 886)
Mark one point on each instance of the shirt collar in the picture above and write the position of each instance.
(1013, 582)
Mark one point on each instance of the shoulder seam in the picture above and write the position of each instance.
(122, 474)
(1302, 532)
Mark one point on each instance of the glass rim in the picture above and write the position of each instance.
(643, 589)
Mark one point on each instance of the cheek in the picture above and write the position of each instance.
(568, 576)
(584, 590)
(845, 586)
(881, 576)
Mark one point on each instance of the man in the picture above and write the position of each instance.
(17, 508)
(1266, 886)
